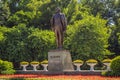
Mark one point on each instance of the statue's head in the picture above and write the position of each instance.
(57, 10)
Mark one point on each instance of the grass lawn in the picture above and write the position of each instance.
(55, 77)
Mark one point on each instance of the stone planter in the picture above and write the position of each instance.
(91, 66)
(91, 63)
(45, 67)
(107, 63)
(35, 66)
(78, 66)
(24, 67)
(24, 64)
(108, 66)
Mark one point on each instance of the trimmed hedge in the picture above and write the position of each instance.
(6, 67)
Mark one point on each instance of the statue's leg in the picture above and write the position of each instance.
(60, 39)
(57, 38)
(62, 36)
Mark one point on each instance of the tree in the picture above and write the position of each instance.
(39, 43)
(4, 12)
(114, 12)
(87, 38)
(25, 44)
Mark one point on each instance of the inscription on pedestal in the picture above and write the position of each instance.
(54, 56)
(59, 61)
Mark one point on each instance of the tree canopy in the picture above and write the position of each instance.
(25, 34)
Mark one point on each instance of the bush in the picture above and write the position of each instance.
(115, 64)
(25, 44)
(6, 67)
(105, 73)
(82, 36)
(115, 68)
(110, 73)
(11, 71)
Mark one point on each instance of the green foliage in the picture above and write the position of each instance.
(118, 34)
(39, 43)
(81, 38)
(105, 73)
(110, 73)
(115, 67)
(4, 12)
(25, 44)
(6, 67)
(25, 17)
(15, 43)
(115, 64)
(3, 30)
(86, 35)
(117, 3)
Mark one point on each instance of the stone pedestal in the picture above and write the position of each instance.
(59, 61)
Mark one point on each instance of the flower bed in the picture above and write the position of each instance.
(55, 77)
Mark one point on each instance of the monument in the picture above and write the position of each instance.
(59, 60)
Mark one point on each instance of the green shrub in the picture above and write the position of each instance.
(115, 64)
(115, 68)
(11, 71)
(6, 67)
(110, 73)
(1, 62)
(105, 73)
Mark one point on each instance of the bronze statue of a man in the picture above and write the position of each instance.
(58, 24)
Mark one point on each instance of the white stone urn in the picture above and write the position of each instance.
(45, 65)
(78, 66)
(34, 64)
(24, 64)
(78, 63)
(108, 66)
(107, 63)
(91, 63)
(91, 66)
